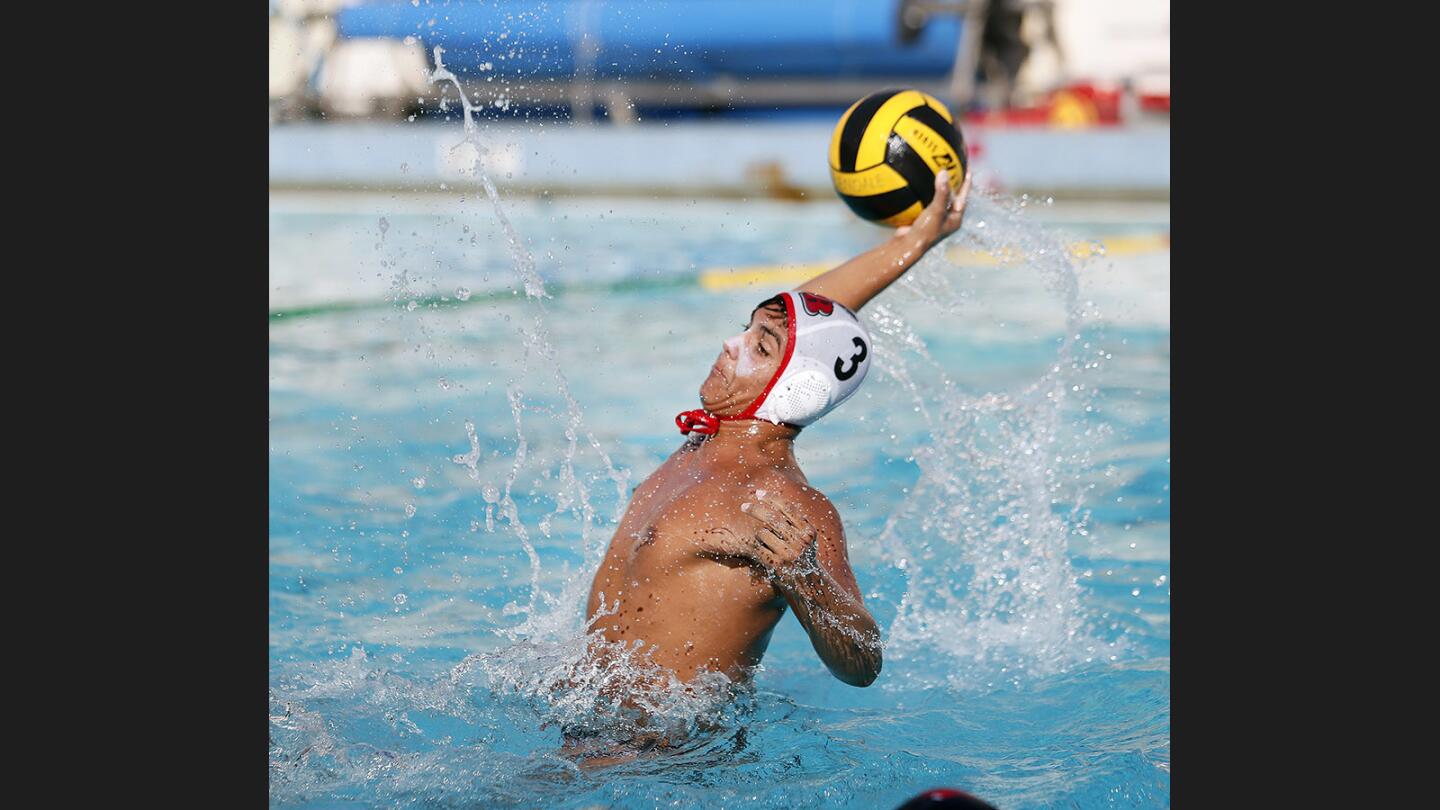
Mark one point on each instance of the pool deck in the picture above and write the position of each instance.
(780, 160)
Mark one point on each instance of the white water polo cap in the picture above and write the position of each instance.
(826, 359)
(827, 355)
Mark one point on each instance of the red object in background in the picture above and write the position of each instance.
(1106, 102)
(1155, 102)
(1013, 116)
(1082, 104)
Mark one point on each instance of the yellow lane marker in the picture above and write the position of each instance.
(726, 278)
(1110, 246)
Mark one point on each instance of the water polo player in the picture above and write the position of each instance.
(727, 532)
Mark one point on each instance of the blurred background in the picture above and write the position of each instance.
(1064, 97)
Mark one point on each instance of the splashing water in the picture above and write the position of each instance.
(983, 535)
(981, 538)
(976, 570)
(564, 675)
(573, 495)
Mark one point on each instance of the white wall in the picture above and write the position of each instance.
(1103, 41)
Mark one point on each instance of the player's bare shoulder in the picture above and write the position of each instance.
(796, 494)
(813, 511)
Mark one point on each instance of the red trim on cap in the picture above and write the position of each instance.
(786, 300)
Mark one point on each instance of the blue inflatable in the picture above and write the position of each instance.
(667, 40)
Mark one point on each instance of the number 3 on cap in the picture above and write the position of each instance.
(843, 373)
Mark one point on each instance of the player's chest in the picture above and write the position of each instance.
(672, 519)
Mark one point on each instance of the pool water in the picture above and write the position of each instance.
(456, 422)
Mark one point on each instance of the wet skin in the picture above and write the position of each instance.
(726, 533)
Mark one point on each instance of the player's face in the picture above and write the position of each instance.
(746, 364)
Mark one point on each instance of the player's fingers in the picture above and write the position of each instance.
(767, 559)
(772, 508)
(958, 204)
(780, 520)
(941, 201)
(956, 215)
(794, 516)
(953, 219)
(739, 542)
(769, 539)
(762, 512)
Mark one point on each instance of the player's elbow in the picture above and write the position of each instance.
(865, 673)
(863, 679)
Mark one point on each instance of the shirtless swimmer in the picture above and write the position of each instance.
(727, 532)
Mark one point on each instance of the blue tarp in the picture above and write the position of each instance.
(684, 40)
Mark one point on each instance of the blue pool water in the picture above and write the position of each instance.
(444, 473)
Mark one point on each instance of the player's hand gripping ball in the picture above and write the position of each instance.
(886, 151)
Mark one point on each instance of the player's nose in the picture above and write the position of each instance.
(732, 347)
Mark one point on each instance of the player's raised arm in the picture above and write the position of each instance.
(855, 282)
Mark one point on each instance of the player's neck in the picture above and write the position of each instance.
(753, 441)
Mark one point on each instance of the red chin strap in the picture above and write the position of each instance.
(699, 421)
(708, 424)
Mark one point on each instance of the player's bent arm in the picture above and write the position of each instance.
(862, 278)
(841, 630)
(821, 588)
(795, 536)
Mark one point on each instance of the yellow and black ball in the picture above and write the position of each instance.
(886, 151)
